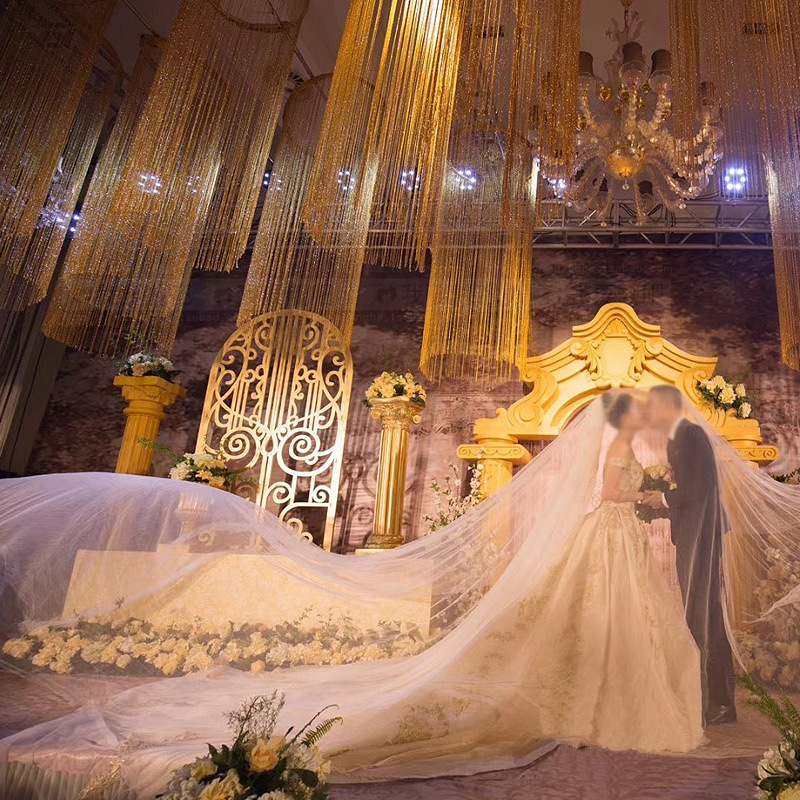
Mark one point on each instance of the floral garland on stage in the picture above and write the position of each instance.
(137, 647)
(259, 765)
(724, 395)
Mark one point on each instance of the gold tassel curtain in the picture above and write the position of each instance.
(509, 115)
(409, 49)
(750, 49)
(47, 48)
(70, 314)
(257, 70)
(186, 164)
(288, 269)
(33, 262)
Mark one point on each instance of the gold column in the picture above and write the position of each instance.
(498, 457)
(396, 415)
(147, 398)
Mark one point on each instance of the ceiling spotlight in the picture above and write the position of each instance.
(734, 181)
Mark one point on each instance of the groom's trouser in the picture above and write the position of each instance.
(698, 574)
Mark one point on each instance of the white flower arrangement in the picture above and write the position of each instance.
(140, 365)
(449, 504)
(202, 468)
(137, 647)
(727, 396)
(395, 384)
(259, 765)
(778, 772)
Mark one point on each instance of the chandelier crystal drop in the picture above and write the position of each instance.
(626, 148)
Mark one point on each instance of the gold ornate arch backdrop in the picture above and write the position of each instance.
(615, 349)
(276, 408)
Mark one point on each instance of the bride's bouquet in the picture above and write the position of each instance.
(258, 765)
(657, 478)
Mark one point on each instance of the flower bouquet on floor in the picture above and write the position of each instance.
(259, 765)
(657, 478)
(778, 772)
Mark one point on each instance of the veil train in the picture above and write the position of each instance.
(422, 693)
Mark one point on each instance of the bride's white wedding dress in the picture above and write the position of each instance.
(550, 621)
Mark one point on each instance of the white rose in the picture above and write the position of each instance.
(718, 382)
(727, 395)
(745, 409)
(740, 390)
(17, 648)
(180, 472)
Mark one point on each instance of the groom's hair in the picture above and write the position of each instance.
(669, 393)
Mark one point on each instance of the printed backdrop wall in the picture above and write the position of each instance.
(707, 302)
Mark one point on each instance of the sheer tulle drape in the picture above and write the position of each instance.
(456, 701)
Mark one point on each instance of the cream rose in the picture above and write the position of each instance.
(264, 755)
(727, 395)
(745, 409)
(227, 788)
(202, 768)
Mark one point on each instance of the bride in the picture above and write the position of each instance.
(550, 621)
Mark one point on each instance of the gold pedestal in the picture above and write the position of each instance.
(396, 414)
(147, 398)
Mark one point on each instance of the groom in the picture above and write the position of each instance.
(697, 524)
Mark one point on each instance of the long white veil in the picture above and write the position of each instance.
(116, 580)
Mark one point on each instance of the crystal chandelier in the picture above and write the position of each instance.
(625, 146)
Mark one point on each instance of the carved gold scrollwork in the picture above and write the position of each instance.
(615, 349)
(276, 408)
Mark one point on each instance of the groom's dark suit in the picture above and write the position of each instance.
(698, 525)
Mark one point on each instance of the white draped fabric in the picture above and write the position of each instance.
(549, 621)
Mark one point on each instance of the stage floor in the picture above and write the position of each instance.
(722, 769)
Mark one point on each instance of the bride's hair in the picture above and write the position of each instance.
(616, 406)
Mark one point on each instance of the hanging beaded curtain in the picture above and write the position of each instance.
(47, 48)
(244, 157)
(478, 311)
(288, 269)
(70, 315)
(409, 49)
(33, 262)
(709, 86)
(751, 50)
(211, 89)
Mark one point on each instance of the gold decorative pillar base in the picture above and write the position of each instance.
(147, 398)
(396, 414)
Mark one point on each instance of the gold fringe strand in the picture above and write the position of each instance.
(47, 48)
(33, 263)
(214, 84)
(509, 115)
(750, 49)
(288, 269)
(411, 47)
(70, 314)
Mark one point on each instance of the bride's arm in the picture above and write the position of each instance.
(612, 475)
